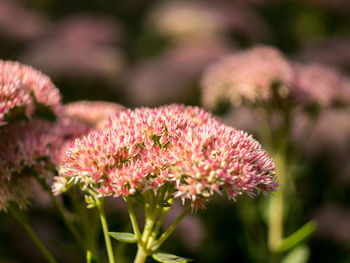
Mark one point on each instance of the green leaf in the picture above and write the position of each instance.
(299, 254)
(164, 257)
(298, 236)
(124, 237)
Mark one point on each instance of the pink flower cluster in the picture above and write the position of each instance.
(246, 76)
(24, 87)
(249, 76)
(144, 148)
(30, 148)
(317, 83)
(94, 112)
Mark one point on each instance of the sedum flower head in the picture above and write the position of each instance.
(22, 87)
(94, 112)
(184, 147)
(31, 148)
(246, 76)
(317, 84)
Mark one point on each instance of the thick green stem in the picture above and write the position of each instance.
(150, 221)
(158, 225)
(171, 229)
(276, 208)
(46, 253)
(99, 205)
(141, 255)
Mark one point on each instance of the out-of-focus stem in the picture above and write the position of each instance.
(62, 213)
(46, 253)
(276, 208)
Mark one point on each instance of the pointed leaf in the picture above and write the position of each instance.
(124, 237)
(299, 254)
(164, 257)
(298, 236)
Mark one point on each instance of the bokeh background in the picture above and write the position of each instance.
(149, 53)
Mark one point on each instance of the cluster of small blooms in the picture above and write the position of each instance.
(317, 84)
(12, 97)
(96, 113)
(16, 190)
(35, 151)
(144, 148)
(23, 86)
(247, 75)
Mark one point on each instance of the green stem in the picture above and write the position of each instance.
(88, 220)
(99, 205)
(133, 219)
(298, 236)
(46, 253)
(171, 229)
(276, 208)
(158, 225)
(67, 222)
(62, 213)
(150, 221)
(141, 255)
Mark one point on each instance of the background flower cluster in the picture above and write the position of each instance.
(149, 53)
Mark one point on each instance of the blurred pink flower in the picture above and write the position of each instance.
(317, 84)
(32, 148)
(18, 23)
(246, 76)
(23, 86)
(88, 63)
(79, 47)
(333, 51)
(144, 148)
(332, 144)
(181, 67)
(88, 29)
(94, 112)
(188, 20)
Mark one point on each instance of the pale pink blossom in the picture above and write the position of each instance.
(22, 86)
(317, 84)
(81, 47)
(19, 23)
(185, 146)
(13, 98)
(246, 76)
(30, 149)
(93, 112)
